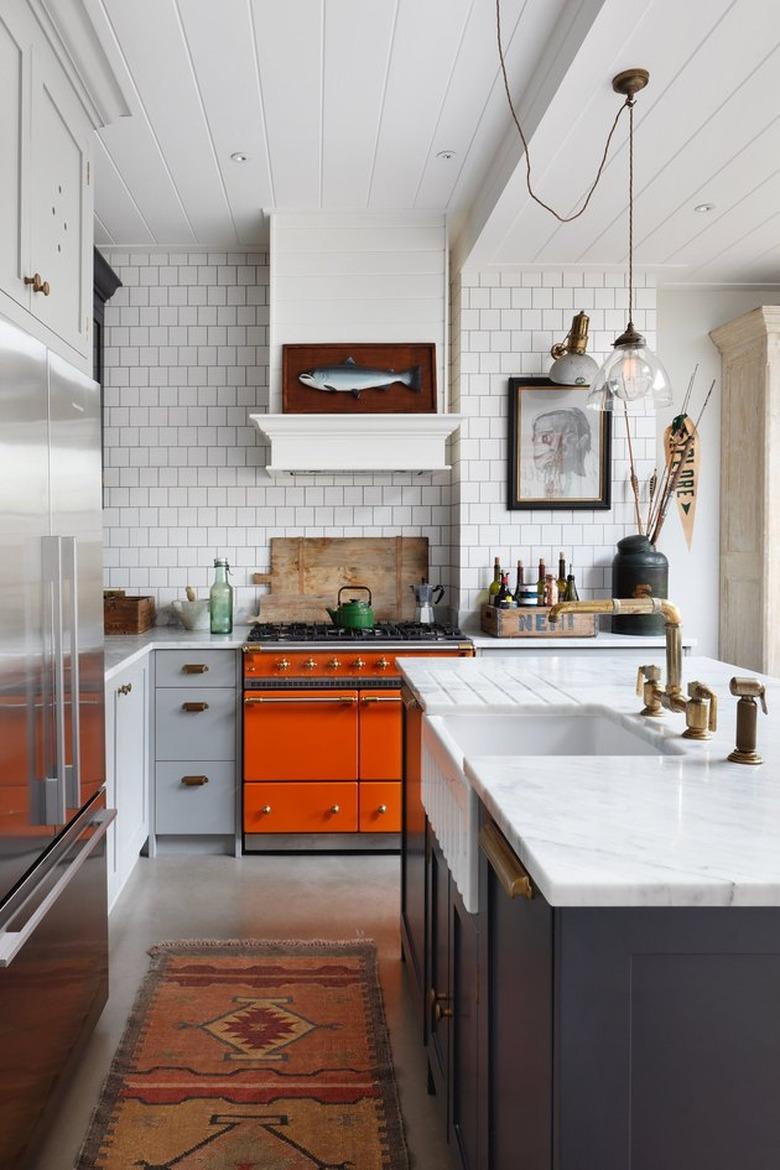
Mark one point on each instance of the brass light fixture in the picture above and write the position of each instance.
(572, 365)
(632, 371)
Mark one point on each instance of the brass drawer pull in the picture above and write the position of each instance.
(125, 689)
(194, 781)
(381, 699)
(38, 285)
(507, 868)
(194, 668)
(195, 707)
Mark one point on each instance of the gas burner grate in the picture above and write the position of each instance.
(326, 632)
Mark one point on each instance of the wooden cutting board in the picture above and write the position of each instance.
(307, 573)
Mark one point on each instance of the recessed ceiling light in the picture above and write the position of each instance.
(704, 207)
(445, 154)
(239, 156)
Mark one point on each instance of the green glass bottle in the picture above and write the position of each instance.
(221, 599)
(495, 584)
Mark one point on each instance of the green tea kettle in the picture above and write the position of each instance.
(353, 614)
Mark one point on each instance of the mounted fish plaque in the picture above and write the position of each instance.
(359, 379)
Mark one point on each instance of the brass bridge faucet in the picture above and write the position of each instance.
(701, 706)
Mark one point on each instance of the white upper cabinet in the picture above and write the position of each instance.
(14, 116)
(46, 196)
(61, 198)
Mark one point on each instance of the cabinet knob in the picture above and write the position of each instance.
(194, 781)
(441, 1013)
(38, 285)
(437, 1000)
(125, 689)
(382, 809)
(335, 808)
(266, 809)
(196, 707)
(195, 668)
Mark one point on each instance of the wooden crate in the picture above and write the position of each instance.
(126, 615)
(531, 622)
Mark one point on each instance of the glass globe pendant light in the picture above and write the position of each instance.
(632, 371)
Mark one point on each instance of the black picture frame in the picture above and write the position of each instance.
(598, 467)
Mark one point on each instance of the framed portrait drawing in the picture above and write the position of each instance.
(560, 453)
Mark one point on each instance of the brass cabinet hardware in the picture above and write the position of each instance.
(195, 668)
(380, 699)
(382, 663)
(196, 707)
(333, 664)
(283, 664)
(266, 809)
(507, 868)
(748, 690)
(194, 781)
(38, 285)
(309, 664)
(441, 1013)
(437, 1001)
(382, 810)
(124, 689)
(343, 700)
(335, 808)
(358, 664)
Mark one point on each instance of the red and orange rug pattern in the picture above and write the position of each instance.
(252, 1056)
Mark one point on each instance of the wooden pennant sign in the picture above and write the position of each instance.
(675, 438)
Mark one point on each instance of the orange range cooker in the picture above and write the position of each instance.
(323, 732)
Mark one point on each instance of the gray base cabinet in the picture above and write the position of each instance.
(128, 697)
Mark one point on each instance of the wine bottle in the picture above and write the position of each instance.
(495, 584)
(519, 584)
(571, 593)
(540, 581)
(504, 595)
(561, 576)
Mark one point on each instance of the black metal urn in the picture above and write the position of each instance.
(639, 570)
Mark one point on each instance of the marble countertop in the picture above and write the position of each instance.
(604, 640)
(123, 650)
(688, 829)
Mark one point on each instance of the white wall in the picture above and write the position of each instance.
(506, 320)
(358, 277)
(685, 318)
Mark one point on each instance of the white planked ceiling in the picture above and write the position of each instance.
(337, 103)
(707, 131)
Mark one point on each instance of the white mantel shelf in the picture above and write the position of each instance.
(357, 442)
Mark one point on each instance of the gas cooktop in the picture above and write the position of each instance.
(326, 632)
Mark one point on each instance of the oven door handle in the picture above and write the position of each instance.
(380, 699)
(344, 702)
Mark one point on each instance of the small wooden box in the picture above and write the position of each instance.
(126, 615)
(531, 622)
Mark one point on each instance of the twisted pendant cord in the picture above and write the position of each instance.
(576, 214)
(630, 104)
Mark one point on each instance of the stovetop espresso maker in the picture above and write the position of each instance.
(426, 596)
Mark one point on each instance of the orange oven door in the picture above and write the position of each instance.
(381, 733)
(301, 735)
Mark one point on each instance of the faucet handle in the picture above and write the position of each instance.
(698, 691)
(749, 688)
(647, 687)
(646, 674)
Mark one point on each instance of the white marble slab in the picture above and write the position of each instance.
(687, 830)
(123, 650)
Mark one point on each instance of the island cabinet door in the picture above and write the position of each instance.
(413, 858)
(438, 999)
(464, 1110)
(516, 1011)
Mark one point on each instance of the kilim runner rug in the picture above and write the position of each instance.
(252, 1056)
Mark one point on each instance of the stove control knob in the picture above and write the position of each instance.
(309, 664)
(334, 664)
(358, 664)
(383, 663)
(283, 664)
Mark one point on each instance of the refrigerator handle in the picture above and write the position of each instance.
(12, 941)
(54, 791)
(70, 573)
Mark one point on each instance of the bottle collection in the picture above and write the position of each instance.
(545, 591)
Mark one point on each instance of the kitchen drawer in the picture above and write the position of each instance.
(195, 668)
(194, 808)
(300, 808)
(380, 807)
(206, 734)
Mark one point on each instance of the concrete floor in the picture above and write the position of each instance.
(336, 897)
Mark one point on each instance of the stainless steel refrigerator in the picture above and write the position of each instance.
(53, 818)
